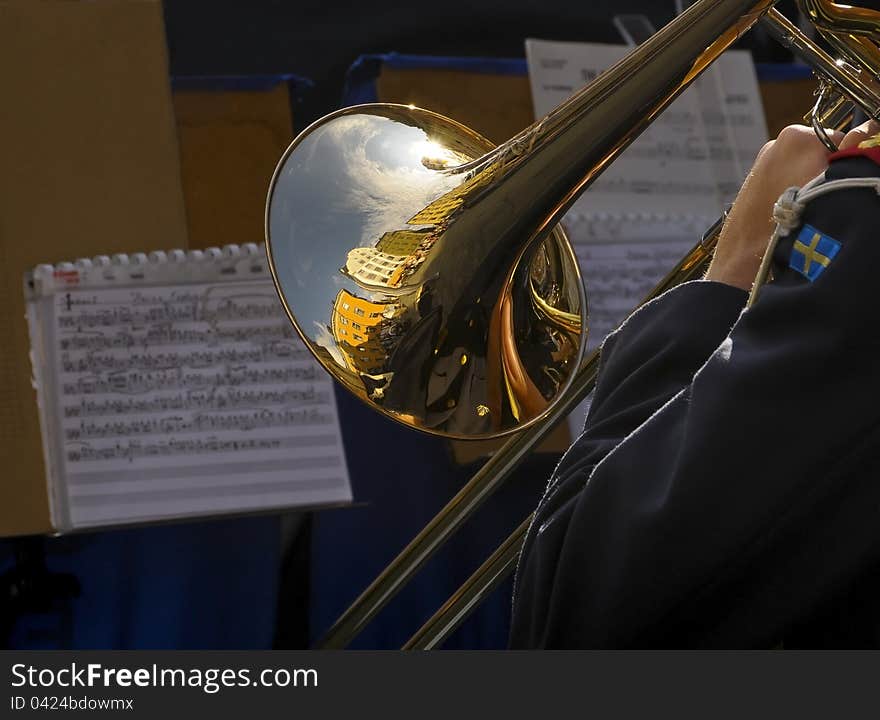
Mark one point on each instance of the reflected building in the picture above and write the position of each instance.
(397, 254)
(365, 331)
(371, 267)
(447, 205)
(438, 211)
(395, 257)
(356, 325)
(401, 242)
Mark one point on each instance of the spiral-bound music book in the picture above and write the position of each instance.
(172, 385)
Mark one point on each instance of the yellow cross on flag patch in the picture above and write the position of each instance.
(812, 252)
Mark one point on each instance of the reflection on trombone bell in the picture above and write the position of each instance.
(432, 319)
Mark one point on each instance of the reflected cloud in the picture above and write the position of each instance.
(387, 181)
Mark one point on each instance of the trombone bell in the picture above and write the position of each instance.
(409, 301)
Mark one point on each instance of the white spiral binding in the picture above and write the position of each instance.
(213, 264)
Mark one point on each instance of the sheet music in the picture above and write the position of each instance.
(189, 399)
(732, 118)
(655, 201)
(683, 162)
(623, 258)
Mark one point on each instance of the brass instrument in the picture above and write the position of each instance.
(425, 269)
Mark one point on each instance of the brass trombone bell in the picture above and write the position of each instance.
(383, 243)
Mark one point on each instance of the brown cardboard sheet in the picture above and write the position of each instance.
(785, 102)
(90, 167)
(230, 142)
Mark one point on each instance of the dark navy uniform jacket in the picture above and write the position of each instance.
(726, 489)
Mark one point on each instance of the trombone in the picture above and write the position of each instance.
(425, 270)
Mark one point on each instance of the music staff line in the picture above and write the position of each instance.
(165, 335)
(651, 187)
(197, 359)
(138, 384)
(232, 399)
(122, 315)
(198, 423)
(217, 493)
(172, 447)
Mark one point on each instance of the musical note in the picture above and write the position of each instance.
(179, 378)
(96, 362)
(144, 342)
(139, 312)
(167, 334)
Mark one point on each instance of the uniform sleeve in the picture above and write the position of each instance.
(719, 504)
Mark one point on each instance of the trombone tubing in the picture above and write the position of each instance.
(649, 79)
(477, 587)
(861, 88)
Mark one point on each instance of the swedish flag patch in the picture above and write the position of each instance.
(812, 252)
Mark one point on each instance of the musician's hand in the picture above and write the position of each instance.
(793, 159)
(860, 133)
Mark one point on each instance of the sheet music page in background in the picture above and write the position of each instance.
(653, 203)
(665, 171)
(744, 117)
(188, 400)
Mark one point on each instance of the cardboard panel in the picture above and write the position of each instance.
(91, 167)
(786, 102)
(230, 142)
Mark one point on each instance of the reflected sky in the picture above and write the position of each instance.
(345, 184)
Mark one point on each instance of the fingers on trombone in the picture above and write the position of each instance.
(801, 138)
(836, 137)
(860, 134)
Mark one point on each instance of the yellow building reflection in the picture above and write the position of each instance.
(371, 267)
(356, 324)
(447, 205)
(401, 242)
